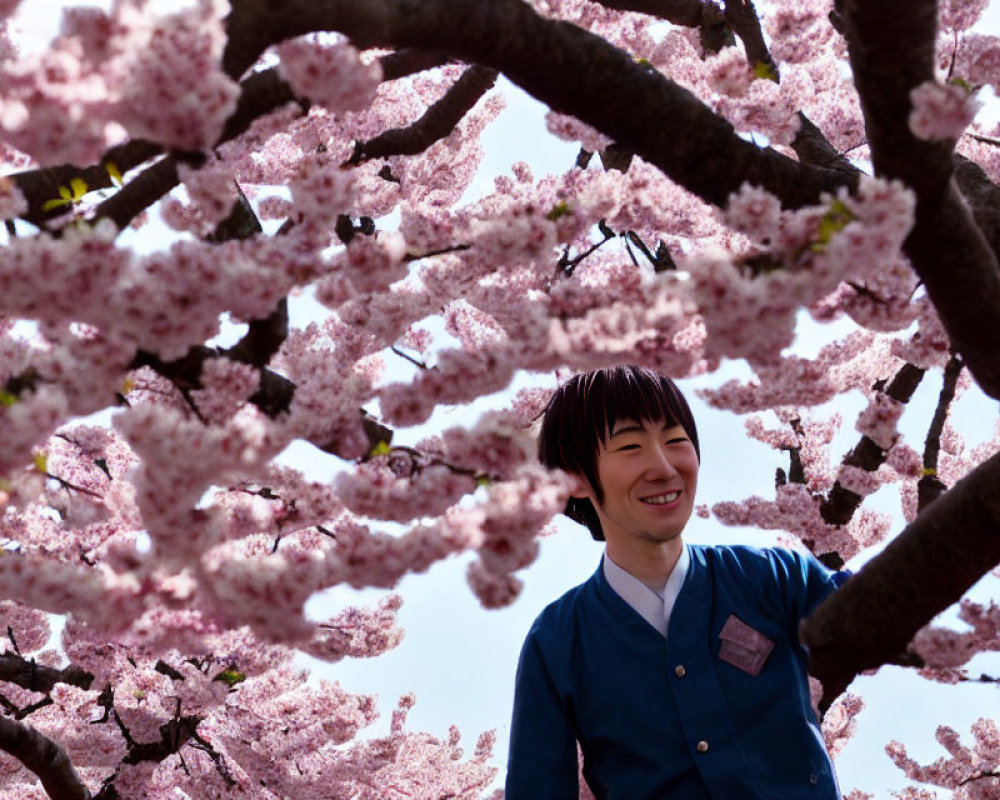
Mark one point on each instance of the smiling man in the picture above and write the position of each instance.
(676, 668)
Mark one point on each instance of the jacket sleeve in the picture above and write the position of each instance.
(542, 761)
(804, 583)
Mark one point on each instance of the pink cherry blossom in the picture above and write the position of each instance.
(178, 70)
(572, 130)
(960, 15)
(941, 111)
(334, 76)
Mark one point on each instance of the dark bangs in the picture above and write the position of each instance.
(583, 412)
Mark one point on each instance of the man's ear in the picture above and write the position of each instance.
(580, 487)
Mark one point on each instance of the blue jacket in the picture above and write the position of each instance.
(669, 719)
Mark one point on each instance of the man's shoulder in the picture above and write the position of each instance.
(739, 556)
(760, 567)
(747, 557)
(558, 617)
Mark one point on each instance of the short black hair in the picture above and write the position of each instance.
(582, 413)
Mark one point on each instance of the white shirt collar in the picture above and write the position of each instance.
(652, 606)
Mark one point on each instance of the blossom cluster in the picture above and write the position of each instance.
(941, 111)
(946, 649)
(126, 71)
(800, 257)
(334, 76)
(970, 771)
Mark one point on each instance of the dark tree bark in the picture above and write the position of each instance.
(891, 54)
(569, 69)
(929, 566)
(44, 757)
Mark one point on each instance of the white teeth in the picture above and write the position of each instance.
(662, 499)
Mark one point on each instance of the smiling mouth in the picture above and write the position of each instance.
(661, 499)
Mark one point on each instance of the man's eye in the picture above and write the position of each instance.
(677, 440)
(629, 447)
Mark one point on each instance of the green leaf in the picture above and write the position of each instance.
(68, 195)
(230, 676)
(79, 187)
(48, 205)
(114, 173)
(42, 461)
(833, 221)
(560, 209)
(764, 71)
(6, 398)
(381, 449)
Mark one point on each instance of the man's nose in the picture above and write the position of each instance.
(660, 464)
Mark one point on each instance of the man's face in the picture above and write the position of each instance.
(649, 474)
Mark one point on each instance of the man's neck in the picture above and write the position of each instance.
(650, 562)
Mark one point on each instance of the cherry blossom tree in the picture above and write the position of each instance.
(737, 167)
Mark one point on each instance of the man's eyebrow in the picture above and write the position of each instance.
(631, 426)
(627, 427)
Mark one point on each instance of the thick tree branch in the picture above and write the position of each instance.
(41, 185)
(571, 70)
(742, 17)
(39, 678)
(812, 147)
(689, 13)
(261, 93)
(274, 392)
(139, 194)
(925, 569)
(435, 124)
(983, 197)
(174, 734)
(700, 14)
(841, 503)
(44, 757)
(410, 60)
(263, 338)
(265, 91)
(930, 487)
(891, 54)
(257, 346)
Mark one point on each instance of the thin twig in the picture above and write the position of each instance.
(402, 354)
(930, 486)
(73, 487)
(979, 137)
(566, 265)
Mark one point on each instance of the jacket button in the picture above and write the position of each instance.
(702, 746)
(679, 671)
